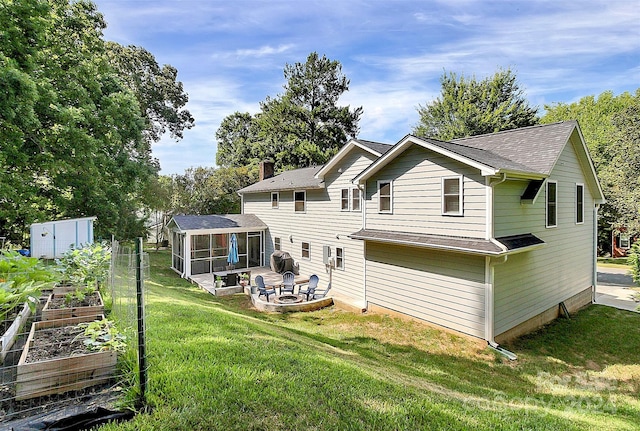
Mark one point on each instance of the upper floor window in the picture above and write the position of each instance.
(579, 203)
(385, 196)
(276, 243)
(275, 199)
(300, 201)
(552, 204)
(344, 200)
(452, 195)
(339, 258)
(306, 250)
(355, 199)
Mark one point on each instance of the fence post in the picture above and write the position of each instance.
(142, 356)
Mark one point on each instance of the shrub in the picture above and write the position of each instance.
(634, 262)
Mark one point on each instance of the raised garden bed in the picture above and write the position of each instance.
(64, 288)
(54, 360)
(11, 333)
(57, 307)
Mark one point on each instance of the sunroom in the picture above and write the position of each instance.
(200, 243)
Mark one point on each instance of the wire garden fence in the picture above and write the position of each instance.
(70, 349)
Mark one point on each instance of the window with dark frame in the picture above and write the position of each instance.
(344, 200)
(276, 243)
(306, 250)
(552, 204)
(355, 199)
(384, 196)
(300, 201)
(452, 196)
(275, 198)
(339, 258)
(579, 203)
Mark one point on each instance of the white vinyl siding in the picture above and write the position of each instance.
(323, 224)
(552, 203)
(417, 196)
(530, 283)
(443, 288)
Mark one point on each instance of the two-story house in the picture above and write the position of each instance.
(490, 235)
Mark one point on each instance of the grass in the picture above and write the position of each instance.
(617, 262)
(216, 364)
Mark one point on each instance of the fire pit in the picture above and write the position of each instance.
(288, 299)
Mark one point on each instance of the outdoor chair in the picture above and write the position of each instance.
(264, 290)
(288, 282)
(311, 287)
(321, 293)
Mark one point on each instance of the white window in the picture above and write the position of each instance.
(385, 196)
(355, 199)
(306, 250)
(344, 199)
(625, 240)
(275, 199)
(452, 196)
(300, 201)
(339, 258)
(579, 203)
(276, 243)
(552, 204)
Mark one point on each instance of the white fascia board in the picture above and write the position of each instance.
(341, 154)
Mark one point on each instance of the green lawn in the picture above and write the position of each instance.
(215, 364)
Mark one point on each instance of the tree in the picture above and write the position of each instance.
(210, 191)
(609, 125)
(468, 107)
(302, 127)
(236, 138)
(76, 139)
(160, 96)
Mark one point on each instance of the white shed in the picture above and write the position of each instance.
(50, 240)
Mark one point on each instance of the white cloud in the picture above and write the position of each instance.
(264, 51)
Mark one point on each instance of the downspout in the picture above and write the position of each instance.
(594, 276)
(489, 273)
(363, 194)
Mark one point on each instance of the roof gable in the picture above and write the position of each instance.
(375, 148)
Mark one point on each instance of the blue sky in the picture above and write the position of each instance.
(230, 54)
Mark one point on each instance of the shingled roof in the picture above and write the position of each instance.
(536, 147)
(303, 178)
(529, 151)
(226, 221)
(378, 147)
(485, 247)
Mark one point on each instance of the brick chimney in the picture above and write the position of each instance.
(266, 169)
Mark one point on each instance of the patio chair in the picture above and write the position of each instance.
(264, 290)
(288, 282)
(321, 293)
(311, 287)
